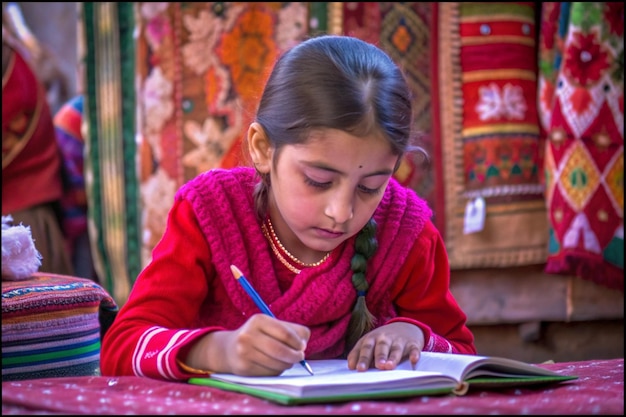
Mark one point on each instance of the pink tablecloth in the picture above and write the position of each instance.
(598, 390)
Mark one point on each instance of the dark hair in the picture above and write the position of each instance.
(343, 83)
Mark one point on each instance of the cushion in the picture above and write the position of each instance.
(51, 326)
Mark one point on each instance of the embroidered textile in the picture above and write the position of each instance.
(581, 93)
(489, 134)
(201, 70)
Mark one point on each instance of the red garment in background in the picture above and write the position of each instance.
(31, 161)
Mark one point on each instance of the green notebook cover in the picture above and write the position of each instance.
(287, 399)
(488, 383)
(473, 384)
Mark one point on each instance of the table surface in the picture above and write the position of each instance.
(598, 390)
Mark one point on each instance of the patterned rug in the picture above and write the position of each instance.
(582, 111)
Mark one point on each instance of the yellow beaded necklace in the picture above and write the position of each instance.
(279, 250)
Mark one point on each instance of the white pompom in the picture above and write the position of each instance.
(20, 257)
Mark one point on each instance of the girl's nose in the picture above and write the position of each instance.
(340, 208)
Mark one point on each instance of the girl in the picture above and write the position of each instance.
(346, 258)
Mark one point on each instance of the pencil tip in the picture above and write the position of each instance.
(307, 367)
(236, 272)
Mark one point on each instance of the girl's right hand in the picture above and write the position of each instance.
(262, 346)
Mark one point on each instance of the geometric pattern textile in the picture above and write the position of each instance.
(404, 31)
(581, 93)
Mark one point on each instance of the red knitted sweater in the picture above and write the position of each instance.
(188, 289)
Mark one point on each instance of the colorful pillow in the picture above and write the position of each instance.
(52, 326)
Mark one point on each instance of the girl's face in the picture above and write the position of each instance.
(324, 191)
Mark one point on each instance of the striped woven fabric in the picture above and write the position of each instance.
(51, 326)
(489, 133)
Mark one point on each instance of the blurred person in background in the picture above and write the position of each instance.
(68, 124)
(32, 183)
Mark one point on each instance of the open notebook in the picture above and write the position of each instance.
(435, 374)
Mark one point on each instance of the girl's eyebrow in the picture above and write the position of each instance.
(325, 167)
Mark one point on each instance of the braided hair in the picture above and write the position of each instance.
(361, 321)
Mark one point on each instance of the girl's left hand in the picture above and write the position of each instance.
(386, 346)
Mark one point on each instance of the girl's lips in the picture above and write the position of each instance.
(328, 234)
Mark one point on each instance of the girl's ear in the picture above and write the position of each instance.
(260, 148)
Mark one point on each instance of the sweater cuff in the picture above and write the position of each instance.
(184, 370)
(425, 329)
(157, 349)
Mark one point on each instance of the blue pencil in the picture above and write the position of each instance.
(239, 276)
